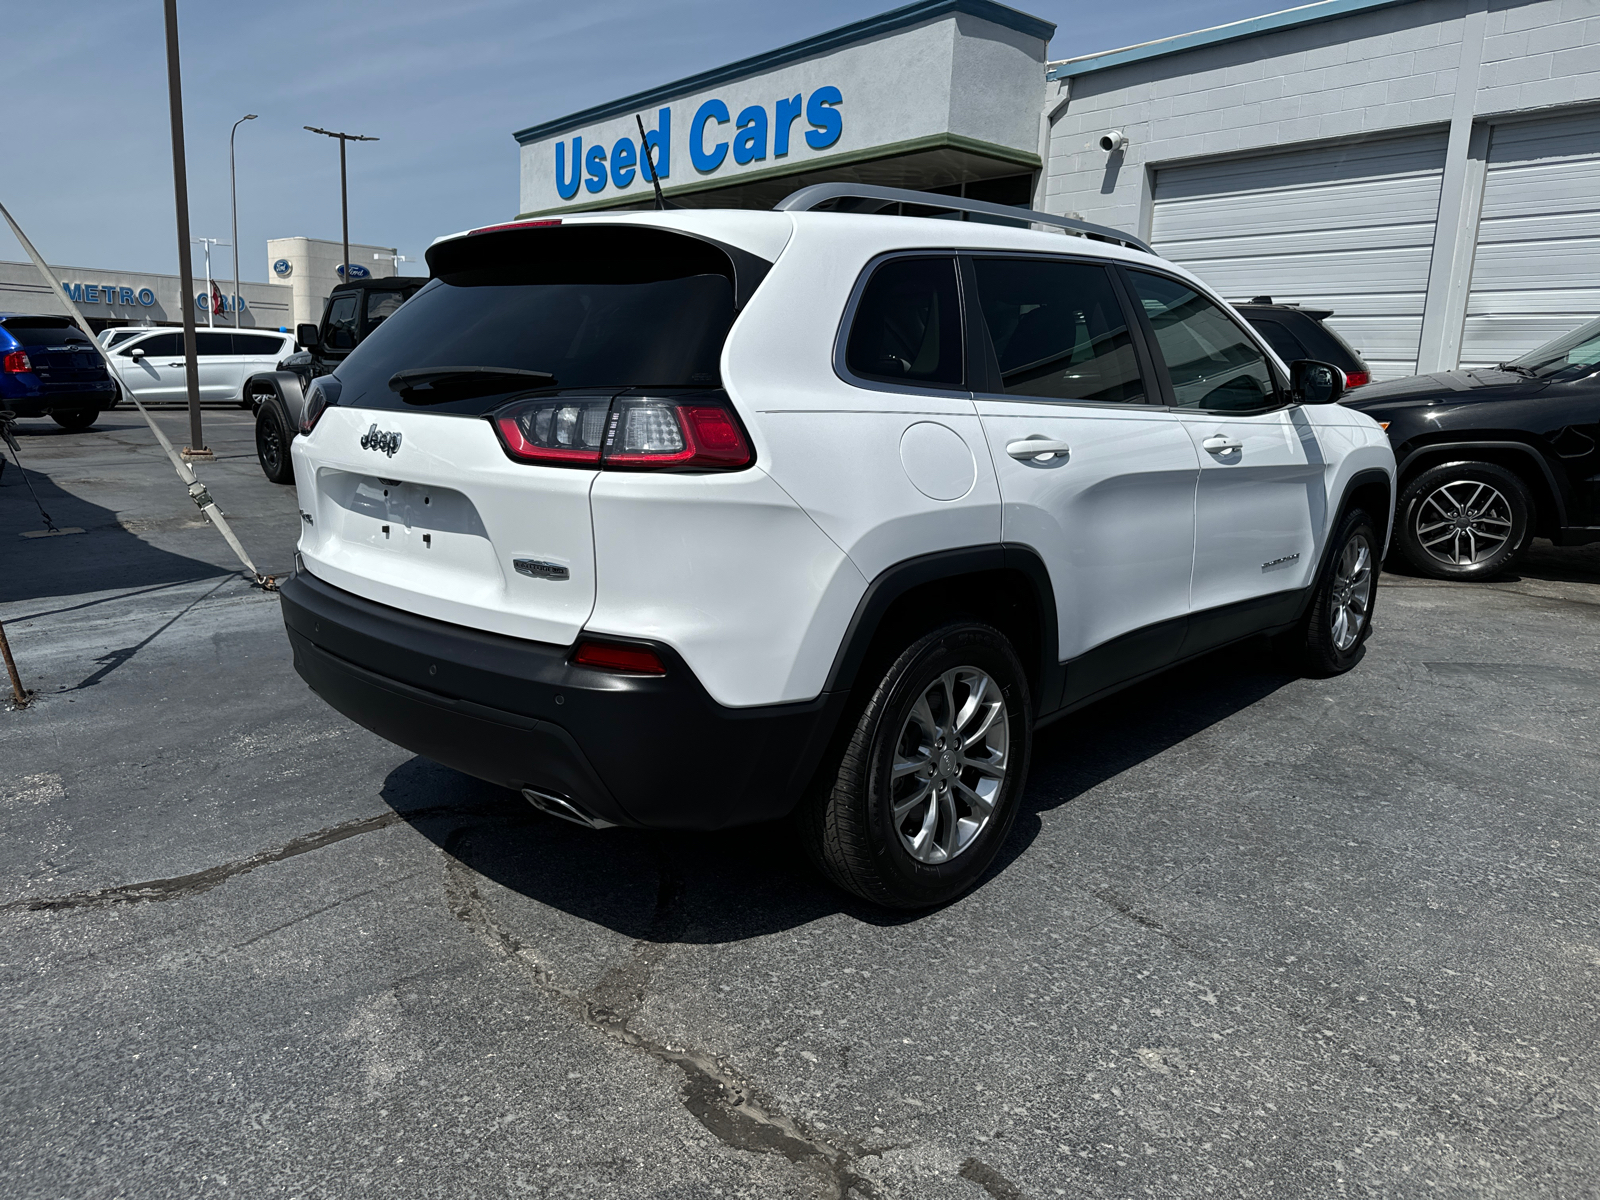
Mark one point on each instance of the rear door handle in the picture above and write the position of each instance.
(1222, 445)
(1038, 449)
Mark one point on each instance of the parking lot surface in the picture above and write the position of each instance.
(1253, 934)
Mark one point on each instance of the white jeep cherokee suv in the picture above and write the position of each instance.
(689, 519)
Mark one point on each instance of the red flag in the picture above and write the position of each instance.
(216, 298)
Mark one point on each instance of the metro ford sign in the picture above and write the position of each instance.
(709, 141)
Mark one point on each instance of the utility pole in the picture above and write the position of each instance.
(396, 259)
(344, 192)
(233, 192)
(180, 193)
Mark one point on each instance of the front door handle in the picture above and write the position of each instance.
(1038, 448)
(1222, 445)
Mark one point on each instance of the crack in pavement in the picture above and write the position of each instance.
(192, 884)
(726, 1105)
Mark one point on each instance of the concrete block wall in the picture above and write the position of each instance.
(1448, 65)
(1385, 69)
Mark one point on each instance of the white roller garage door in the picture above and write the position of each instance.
(1345, 227)
(1536, 273)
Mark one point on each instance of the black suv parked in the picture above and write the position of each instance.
(1494, 456)
(353, 311)
(1296, 333)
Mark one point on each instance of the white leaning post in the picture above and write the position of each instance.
(197, 490)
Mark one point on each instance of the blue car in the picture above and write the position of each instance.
(50, 368)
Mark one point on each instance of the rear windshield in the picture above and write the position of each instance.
(592, 307)
(44, 331)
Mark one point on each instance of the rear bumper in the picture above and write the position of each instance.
(649, 751)
(43, 402)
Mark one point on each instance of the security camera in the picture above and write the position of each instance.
(1113, 141)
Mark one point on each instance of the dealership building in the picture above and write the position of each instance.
(1427, 169)
(302, 272)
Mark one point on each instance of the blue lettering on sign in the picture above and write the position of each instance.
(146, 297)
(74, 292)
(624, 164)
(706, 161)
(124, 295)
(91, 294)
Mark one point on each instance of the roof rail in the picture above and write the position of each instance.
(809, 198)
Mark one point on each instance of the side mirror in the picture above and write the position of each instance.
(136, 353)
(308, 336)
(1312, 382)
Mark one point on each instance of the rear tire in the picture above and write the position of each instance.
(77, 420)
(920, 803)
(272, 444)
(1464, 520)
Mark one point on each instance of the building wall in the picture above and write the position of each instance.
(314, 270)
(21, 290)
(1451, 65)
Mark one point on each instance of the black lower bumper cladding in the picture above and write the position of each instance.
(650, 751)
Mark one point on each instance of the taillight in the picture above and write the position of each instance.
(16, 363)
(563, 433)
(324, 392)
(616, 656)
(630, 433)
(1355, 379)
(515, 225)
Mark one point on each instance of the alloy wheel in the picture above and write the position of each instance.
(1351, 601)
(949, 765)
(1463, 522)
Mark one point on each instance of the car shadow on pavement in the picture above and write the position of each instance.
(106, 555)
(743, 883)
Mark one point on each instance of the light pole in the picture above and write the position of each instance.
(180, 192)
(344, 194)
(233, 191)
(211, 307)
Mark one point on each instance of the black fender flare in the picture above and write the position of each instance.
(897, 580)
(1449, 451)
(285, 385)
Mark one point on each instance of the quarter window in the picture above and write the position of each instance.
(212, 345)
(258, 344)
(907, 326)
(1058, 330)
(1212, 363)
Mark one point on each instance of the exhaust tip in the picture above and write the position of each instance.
(556, 805)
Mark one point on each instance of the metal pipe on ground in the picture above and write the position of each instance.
(19, 696)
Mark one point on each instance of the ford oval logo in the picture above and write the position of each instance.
(381, 439)
(282, 268)
(357, 271)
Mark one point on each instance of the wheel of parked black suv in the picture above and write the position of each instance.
(929, 784)
(1464, 520)
(272, 444)
(77, 420)
(1341, 610)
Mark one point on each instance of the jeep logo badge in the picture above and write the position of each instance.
(376, 439)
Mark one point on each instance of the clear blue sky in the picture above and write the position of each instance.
(87, 150)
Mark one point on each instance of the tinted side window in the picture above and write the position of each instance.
(160, 345)
(342, 323)
(1277, 336)
(259, 344)
(1211, 362)
(1058, 330)
(381, 305)
(213, 344)
(907, 326)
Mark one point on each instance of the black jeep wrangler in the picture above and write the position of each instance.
(353, 310)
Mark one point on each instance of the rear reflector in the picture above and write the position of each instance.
(612, 656)
(1355, 379)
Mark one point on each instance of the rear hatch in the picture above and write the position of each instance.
(63, 356)
(449, 474)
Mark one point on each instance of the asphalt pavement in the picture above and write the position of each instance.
(1253, 935)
